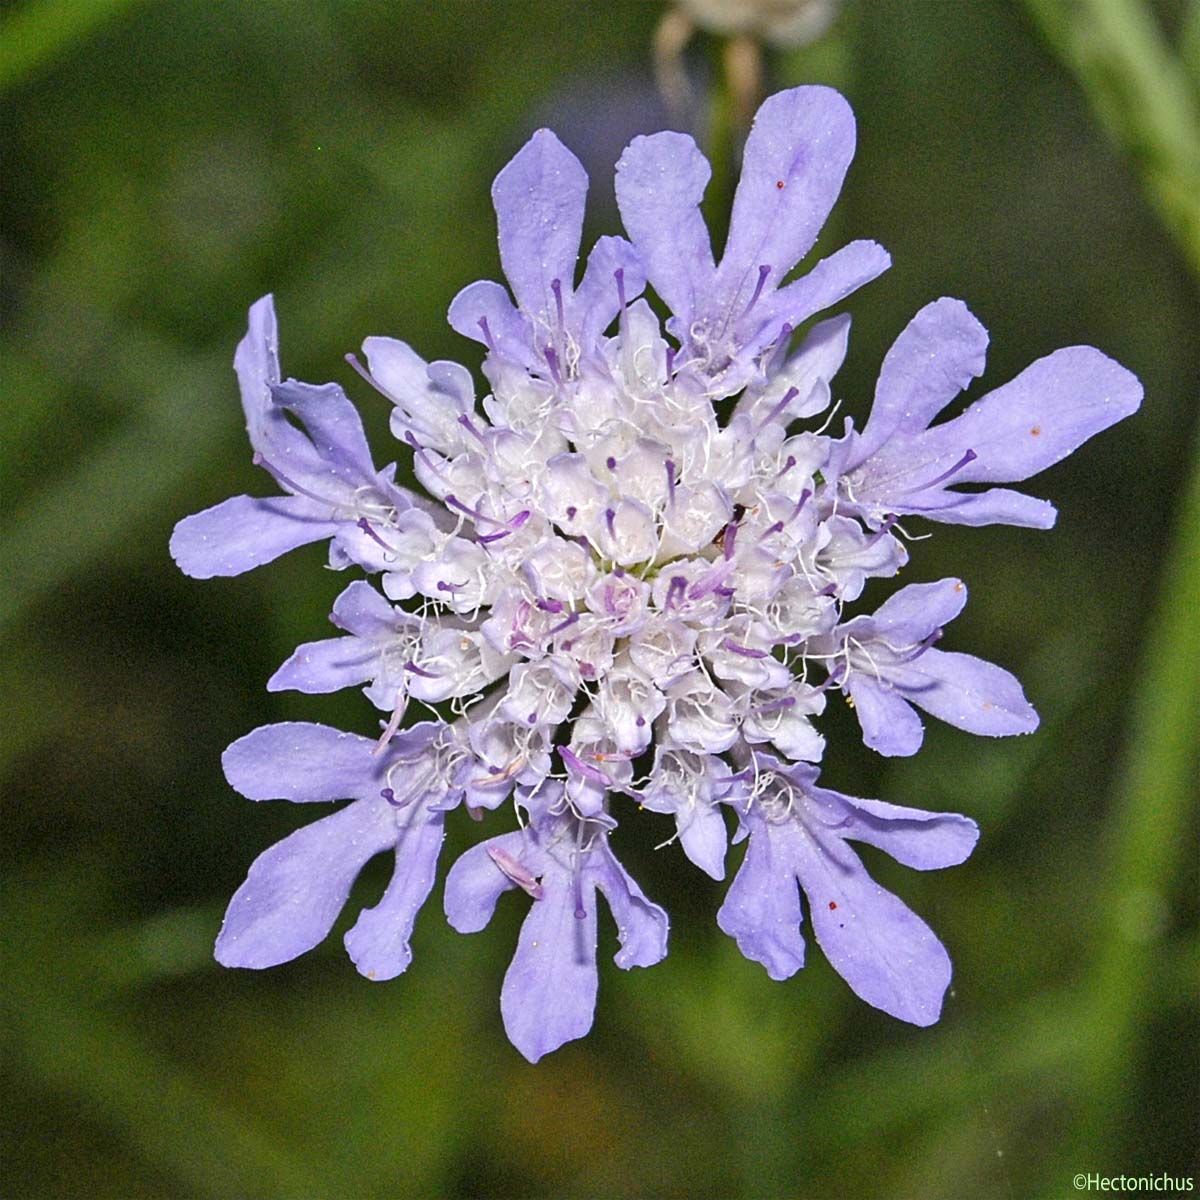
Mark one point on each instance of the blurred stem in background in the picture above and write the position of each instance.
(1145, 840)
(1145, 96)
(38, 33)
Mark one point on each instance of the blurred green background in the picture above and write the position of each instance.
(165, 163)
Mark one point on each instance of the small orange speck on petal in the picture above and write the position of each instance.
(1036, 430)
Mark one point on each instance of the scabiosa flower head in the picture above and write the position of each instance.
(607, 601)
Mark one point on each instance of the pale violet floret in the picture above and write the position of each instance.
(798, 834)
(900, 464)
(560, 861)
(297, 888)
(332, 490)
(726, 314)
(632, 575)
(886, 663)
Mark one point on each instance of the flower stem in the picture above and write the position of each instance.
(1142, 95)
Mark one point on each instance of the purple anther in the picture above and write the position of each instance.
(670, 360)
(487, 334)
(675, 591)
(556, 288)
(830, 589)
(787, 466)
(471, 428)
(580, 911)
(422, 453)
(580, 767)
(884, 529)
(763, 272)
(921, 647)
(786, 702)
(640, 722)
(788, 397)
(571, 511)
(770, 530)
(365, 526)
(284, 482)
(619, 276)
(390, 797)
(611, 518)
(366, 375)
(610, 463)
(486, 538)
(532, 718)
(671, 481)
(520, 519)
(727, 592)
(552, 362)
(516, 872)
(728, 538)
(424, 674)
(969, 457)
(804, 498)
(710, 581)
(836, 678)
(444, 585)
(550, 606)
(452, 501)
(570, 620)
(744, 651)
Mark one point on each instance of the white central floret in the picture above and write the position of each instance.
(609, 550)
